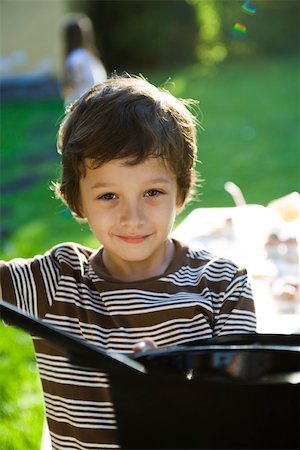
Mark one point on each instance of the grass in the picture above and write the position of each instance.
(250, 116)
(21, 408)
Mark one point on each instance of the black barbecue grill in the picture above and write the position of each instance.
(235, 392)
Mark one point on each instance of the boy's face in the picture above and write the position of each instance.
(131, 211)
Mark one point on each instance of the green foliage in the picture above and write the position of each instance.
(135, 35)
(273, 29)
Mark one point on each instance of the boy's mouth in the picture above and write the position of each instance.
(134, 239)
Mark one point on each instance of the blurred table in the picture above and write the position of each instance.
(256, 238)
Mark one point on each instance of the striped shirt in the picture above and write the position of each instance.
(199, 296)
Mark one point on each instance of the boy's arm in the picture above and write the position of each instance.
(236, 314)
(29, 284)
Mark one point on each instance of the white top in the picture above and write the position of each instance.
(84, 70)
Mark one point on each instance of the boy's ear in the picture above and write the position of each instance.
(179, 204)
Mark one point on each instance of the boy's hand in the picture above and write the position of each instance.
(144, 345)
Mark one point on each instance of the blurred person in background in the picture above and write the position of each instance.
(83, 67)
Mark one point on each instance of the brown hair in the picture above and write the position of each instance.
(78, 32)
(126, 117)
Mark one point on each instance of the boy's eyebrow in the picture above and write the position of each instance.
(100, 184)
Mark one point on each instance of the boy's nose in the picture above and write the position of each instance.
(132, 214)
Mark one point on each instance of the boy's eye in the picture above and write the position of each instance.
(108, 196)
(153, 193)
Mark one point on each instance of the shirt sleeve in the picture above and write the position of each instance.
(30, 284)
(236, 312)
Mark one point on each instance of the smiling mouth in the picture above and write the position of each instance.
(134, 239)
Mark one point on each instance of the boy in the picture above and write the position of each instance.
(128, 152)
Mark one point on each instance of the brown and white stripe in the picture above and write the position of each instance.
(199, 296)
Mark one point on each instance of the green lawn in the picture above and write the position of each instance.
(250, 115)
(21, 407)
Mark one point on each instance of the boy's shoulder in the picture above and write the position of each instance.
(213, 267)
(71, 252)
(206, 258)
(66, 258)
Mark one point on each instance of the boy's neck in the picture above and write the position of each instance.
(140, 270)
